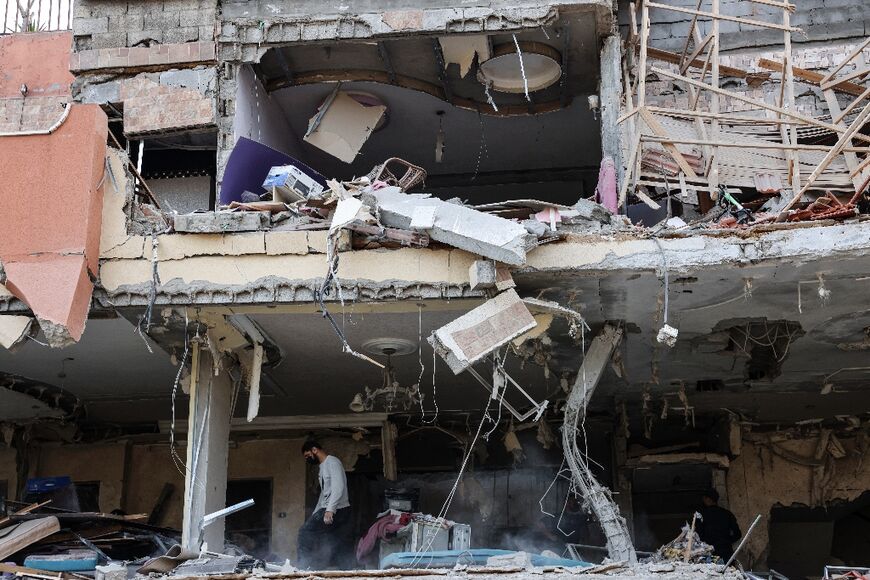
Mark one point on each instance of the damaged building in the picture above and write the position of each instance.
(541, 275)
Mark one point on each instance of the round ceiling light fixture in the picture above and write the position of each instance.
(503, 73)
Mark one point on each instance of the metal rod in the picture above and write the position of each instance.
(743, 541)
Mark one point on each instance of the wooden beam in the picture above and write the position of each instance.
(858, 50)
(674, 58)
(836, 150)
(723, 118)
(657, 128)
(388, 451)
(746, 145)
(858, 72)
(718, 16)
(811, 77)
(760, 104)
(851, 158)
(695, 53)
(839, 118)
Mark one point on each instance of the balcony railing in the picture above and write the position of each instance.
(35, 15)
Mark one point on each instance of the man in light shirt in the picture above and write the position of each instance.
(324, 537)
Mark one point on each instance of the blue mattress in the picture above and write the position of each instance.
(73, 562)
(474, 557)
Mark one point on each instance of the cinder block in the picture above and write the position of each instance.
(135, 37)
(160, 19)
(180, 35)
(111, 40)
(126, 22)
(85, 26)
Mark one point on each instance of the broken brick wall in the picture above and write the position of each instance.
(153, 59)
(776, 470)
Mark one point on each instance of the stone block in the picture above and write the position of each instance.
(220, 222)
(317, 241)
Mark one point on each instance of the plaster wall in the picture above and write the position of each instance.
(150, 466)
(758, 480)
(280, 461)
(103, 463)
(9, 470)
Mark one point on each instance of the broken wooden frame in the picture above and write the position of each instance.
(694, 149)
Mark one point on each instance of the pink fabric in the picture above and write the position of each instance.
(605, 192)
(378, 531)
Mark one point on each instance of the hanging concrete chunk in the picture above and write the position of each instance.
(456, 225)
(14, 329)
(342, 126)
(475, 334)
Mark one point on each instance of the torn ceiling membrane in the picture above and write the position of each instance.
(462, 49)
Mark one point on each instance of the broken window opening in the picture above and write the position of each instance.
(431, 93)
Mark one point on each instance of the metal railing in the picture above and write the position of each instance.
(35, 15)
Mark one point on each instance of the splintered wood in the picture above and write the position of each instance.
(720, 133)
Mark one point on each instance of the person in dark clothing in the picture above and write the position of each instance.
(324, 538)
(718, 527)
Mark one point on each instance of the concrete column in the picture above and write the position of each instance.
(610, 95)
(208, 430)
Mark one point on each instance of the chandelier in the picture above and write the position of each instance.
(390, 396)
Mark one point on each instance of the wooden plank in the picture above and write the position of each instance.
(724, 117)
(836, 150)
(695, 54)
(748, 145)
(717, 16)
(760, 104)
(656, 127)
(850, 157)
(644, 51)
(25, 510)
(858, 50)
(674, 58)
(839, 118)
(789, 134)
(858, 72)
(19, 536)
(811, 77)
(631, 169)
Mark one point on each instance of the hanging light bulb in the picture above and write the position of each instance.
(356, 405)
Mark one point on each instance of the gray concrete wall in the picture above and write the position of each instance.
(125, 23)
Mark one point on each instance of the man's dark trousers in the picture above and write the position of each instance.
(322, 546)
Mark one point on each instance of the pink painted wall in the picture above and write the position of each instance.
(40, 60)
(51, 189)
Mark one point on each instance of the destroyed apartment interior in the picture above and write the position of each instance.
(406, 288)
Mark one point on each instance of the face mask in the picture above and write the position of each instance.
(312, 460)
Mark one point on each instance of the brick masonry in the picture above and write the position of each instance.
(168, 101)
(128, 23)
(30, 113)
(157, 56)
